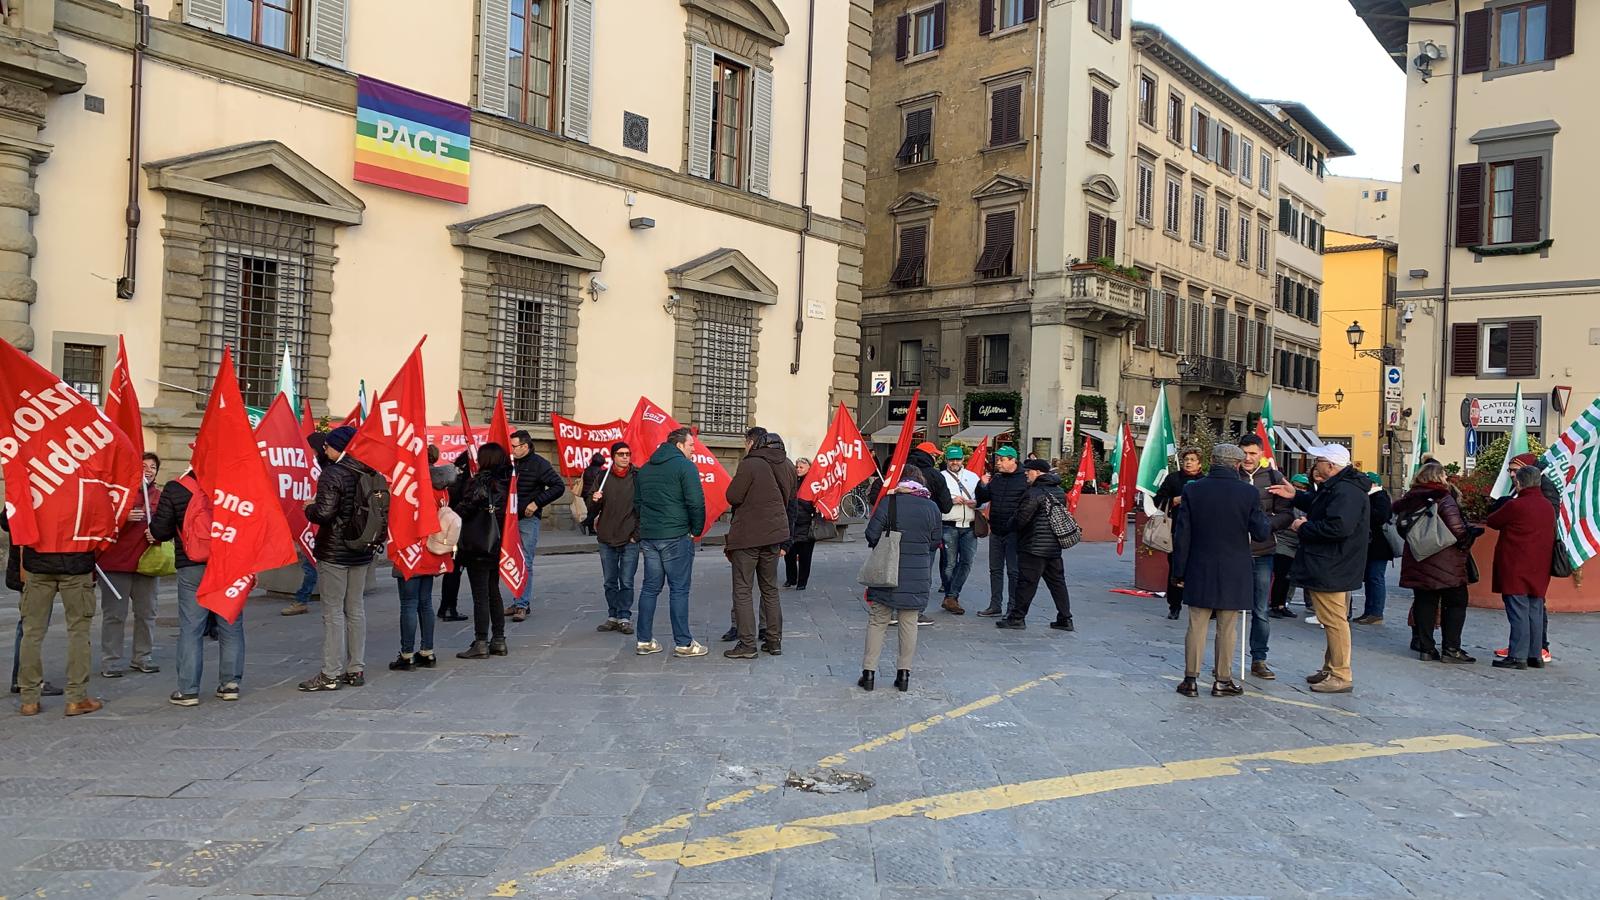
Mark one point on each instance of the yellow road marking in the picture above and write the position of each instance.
(1258, 695)
(812, 830)
(677, 823)
(1536, 739)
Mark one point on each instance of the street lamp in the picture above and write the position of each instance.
(1338, 401)
(930, 360)
(1355, 334)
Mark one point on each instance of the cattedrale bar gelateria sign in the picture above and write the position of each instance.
(412, 142)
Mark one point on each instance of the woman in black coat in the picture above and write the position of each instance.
(483, 508)
(1219, 516)
(918, 520)
(797, 560)
(1167, 499)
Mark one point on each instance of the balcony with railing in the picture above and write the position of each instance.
(1096, 295)
(1210, 373)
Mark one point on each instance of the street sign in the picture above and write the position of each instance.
(880, 384)
(948, 418)
(1068, 427)
(1560, 396)
(1391, 414)
(1140, 413)
(1392, 382)
(1498, 413)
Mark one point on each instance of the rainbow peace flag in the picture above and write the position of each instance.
(412, 142)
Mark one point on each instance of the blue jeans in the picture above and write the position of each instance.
(192, 637)
(1260, 622)
(960, 547)
(1528, 621)
(308, 580)
(669, 560)
(620, 566)
(528, 530)
(1003, 569)
(1377, 587)
(416, 608)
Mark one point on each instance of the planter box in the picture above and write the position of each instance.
(1566, 596)
(1094, 517)
(1150, 569)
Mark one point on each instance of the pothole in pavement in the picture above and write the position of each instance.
(829, 781)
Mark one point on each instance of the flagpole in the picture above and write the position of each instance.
(109, 586)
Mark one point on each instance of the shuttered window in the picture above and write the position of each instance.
(315, 29)
(1091, 362)
(1499, 203)
(1102, 238)
(270, 23)
(909, 267)
(578, 70)
(1100, 118)
(1263, 242)
(1174, 222)
(999, 239)
(917, 146)
(920, 31)
(1224, 228)
(1197, 221)
(702, 102)
(1171, 321)
(1522, 348)
(1247, 155)
(1005, 115)
(533, 61)
(972, 364)
(1469, 205)
(730, 121)
(729, 87)
(1175, 118)
(1244, 236)
(1147, 100)
(760, 132)
(996, 358)
(1464, 348)
(1145, 193)
(1225, 148)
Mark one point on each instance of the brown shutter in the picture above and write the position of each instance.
(1525, 200)
(1005, 116)
(1096, 236)
(1100, 118)
(1095, 15)
(1030, 10)
(1559, 38)
(1464, 348)
(902, 36)
(969, 374)
(985, 16)
(1475, 42)
(1469, 204)
(1111, 238)
(938, 27)
(1116, 19)
(1522, 348)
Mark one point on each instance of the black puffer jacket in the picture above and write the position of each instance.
(1333, 540)
(1034, 535)
(1004, 494)
(801, 514)
(922, 462)
(332, 510)
(1380, 507)
(537, 482)
(166, 522)
(485, 493)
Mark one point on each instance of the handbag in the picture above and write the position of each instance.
(882, 568)
(1158, 533)
(1397, 544)
(980, 523)
(1473, 575)
(158, 560)
(823, 530)
(1062, 524)
(1560, 563)
(1425, 532)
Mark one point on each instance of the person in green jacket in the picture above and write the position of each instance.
(672, 513)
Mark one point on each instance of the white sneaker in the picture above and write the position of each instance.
(694, 649)
(645, 648)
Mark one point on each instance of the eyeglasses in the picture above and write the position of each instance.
(621, 453)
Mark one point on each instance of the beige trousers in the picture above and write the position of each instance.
(878, 619)
(1333, 611)
(1194, 644)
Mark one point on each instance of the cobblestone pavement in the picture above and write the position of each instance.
(1021, 764)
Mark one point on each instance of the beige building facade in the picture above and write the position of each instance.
(1368, 207)
(1497, 277)
(666, 199)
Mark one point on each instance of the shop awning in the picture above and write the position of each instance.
(1107, 441)
(975, 433)
(889, 434)
(1309, 438)
(1287, 439)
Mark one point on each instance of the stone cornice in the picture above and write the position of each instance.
(1174, 58)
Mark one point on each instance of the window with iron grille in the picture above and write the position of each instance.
(83, 366)
(996, 358)
(910, 363)
(257, 295)
(724, 344)
(528, 335)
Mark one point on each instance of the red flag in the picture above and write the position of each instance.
(248, 531)
(122, 402)
(902, 448)
(292, 467)
(308, 422)
(354, 419)
(70, 473)
(499, 427)
(466, 432)
(1127, 481)
(647, 430)
(513, 564)
(577, 443)
(1085, 475)
(843, 462)
(980, 458)
(393, 442)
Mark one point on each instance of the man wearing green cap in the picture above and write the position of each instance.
(1002, 490)
(960, 541)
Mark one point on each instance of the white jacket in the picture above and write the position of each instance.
(962, 485)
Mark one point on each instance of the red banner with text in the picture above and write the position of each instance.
(843, 462)
(577, 443)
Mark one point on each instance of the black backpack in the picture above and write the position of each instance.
(369, 519)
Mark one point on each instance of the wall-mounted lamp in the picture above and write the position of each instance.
(640, 223)
(1338, 401)
(1427, 54)
(930, 361)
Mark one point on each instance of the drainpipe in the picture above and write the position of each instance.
(130, 257)
(1033, 195)
(805, 189)
(1449, 231)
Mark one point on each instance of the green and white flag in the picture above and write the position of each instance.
(286, 380)
(1573, 463)
(1419, 447)
(1159, 448)
(1503, 483)
(1116, 462)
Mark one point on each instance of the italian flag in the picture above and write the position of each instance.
(1158, 447)
(1264, 430)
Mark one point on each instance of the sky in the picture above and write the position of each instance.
(1315, 51)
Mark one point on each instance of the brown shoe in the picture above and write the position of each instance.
(1331, 685)
(1258, 669)
(953, 606)
(520, 615)
(1318, 677)
(84, 707)
(510, 610)
(29, 709)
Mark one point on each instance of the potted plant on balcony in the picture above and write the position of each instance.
(1109, 266)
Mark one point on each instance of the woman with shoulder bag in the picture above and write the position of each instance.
(911, 512)
(483, 509)
(1167, 499)
(1439, 582)
(802, 518)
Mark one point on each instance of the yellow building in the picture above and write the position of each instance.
(1358, 283)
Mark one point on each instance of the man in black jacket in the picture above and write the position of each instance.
(1002, 492)
(342, 567)
(1038, 549)
(538, 486)
(1332, 560)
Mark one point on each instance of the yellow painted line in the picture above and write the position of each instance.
(677, 823)
(812, 830)
(1304, 704)
(1537, 739)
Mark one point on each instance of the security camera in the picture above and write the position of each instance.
(1410, 313)
(598, 286)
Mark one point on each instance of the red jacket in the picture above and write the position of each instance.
(1527, 529)
(123, 556)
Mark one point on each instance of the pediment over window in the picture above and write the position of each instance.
(1103, 187)
(760, 17)
(260, 173)
(1000, 186)
(913, 202)
(725, 272)
(533, 231)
